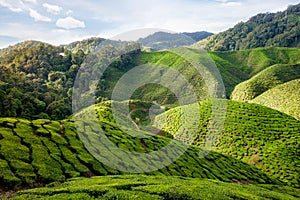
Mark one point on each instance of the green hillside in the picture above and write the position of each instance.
(156, 187)
(33, 153)
(239, 66)
(281, 29)
(266, 80)
(284, 97)
(37, 78)
(219, 119)
(252, 133)
(234, 66)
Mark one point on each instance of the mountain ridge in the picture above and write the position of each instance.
(281, 29)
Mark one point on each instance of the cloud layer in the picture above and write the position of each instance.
(69, 23)
(37, 16)
(53, 9)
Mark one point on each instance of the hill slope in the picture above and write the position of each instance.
(252, 133)
(156, 187)
(266, 80)
(238, 66)
(37, 78)
(33, 153)
(280, 29)
(284, 97)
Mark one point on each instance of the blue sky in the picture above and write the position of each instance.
(61, 22)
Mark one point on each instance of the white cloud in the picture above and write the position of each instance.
(37, 16)
(53, 9)
(11, 7)
(69, 23)
(229, 3)
(31, 1)
(69, 12)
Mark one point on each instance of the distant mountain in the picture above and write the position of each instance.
(164, 40)
(281, 29)
(197, 36)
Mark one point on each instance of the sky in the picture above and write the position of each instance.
(61, 22)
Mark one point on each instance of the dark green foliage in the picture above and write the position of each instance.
(36, 78)
(85, 46)
(156, 187)
(280, 29)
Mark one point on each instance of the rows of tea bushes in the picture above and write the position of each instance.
(257, 135)
(266, 80)
(156, 187)
(284, 97)
(37, 152)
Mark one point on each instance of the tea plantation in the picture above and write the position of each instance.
(284, 97)
(257, 135)
(156, 187)
(34, 153)
(265, 80)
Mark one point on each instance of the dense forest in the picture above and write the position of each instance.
(280, 29)
(37, 78)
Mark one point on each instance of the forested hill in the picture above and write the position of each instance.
(87, 45)
(281, 29)
(35, 80)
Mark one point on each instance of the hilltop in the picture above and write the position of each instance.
(281, 29)
(266, 80)
(164, 40)
(284, 97)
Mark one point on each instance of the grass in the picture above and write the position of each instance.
(257, 135)
(266, 80)
(284, 97)
(155, 187)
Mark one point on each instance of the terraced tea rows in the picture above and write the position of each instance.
(255, 134)
(284, 97)
(266, 80)
(42, 151)
(239, 66)
(156, 187)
